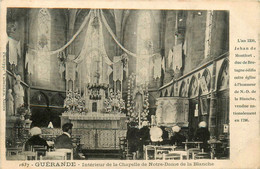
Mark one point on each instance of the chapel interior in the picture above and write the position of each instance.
(128, 81)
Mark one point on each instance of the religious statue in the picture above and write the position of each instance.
(10, 103)
(139, 102)
(19, 93)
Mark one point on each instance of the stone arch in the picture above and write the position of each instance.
(207, 81)
(161, 94)
(166, 93)
(223, 76)
(193, 87)
(172, 91)
(40, 98)
(183, 89)
(57, 100)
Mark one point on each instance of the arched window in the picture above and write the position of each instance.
(43, 45)
(144, 47)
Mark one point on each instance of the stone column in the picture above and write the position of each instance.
(213, 104)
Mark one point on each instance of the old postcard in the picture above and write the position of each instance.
(119, 84)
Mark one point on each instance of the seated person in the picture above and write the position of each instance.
(132, 137)
(177, 137)
(144, 133)
(144, 136)
(36, 139)
(202, 134)
(64, 141)
(165, 136)
(156, 135)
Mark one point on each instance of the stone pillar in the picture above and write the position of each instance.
(72, 19)
(213, 104)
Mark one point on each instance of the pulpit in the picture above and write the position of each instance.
(172, 111)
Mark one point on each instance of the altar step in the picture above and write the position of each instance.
(102, 154)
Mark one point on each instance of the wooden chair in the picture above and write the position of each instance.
(14, 151)
(192, 152)
(40, 150)
(54, 155)
(202, 155)
(129, 156)
(68, 152)
(123, 147)
(29, 155)
(25, 155)
(176, 155)
(17, 157)
(160, 152)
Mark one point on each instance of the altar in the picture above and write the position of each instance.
(97, 130)
(97, 120)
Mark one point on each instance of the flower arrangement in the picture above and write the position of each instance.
(74, 103)
(21, 111)
(24, 112)
(114, 103)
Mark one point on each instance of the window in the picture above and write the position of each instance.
(144, 47)
(208, 33)
(43, 45)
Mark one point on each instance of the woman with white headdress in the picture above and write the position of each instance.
(36, 139)
(177, 137)
(202, 134)
(156, 134)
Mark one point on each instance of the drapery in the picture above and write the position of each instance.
(29, 61)
(177, 56)
(93, 57)
(118, 43)
(117, 69)
(157, 66)
(94, 40)
(14, 50)
(163, 64)
(170, 55)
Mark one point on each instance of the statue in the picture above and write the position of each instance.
(139, 102)
(10, 103)
(19, 93)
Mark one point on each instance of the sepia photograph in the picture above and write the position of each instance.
(117, 84)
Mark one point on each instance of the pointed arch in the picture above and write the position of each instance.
(172, 91)
(40, 98)
(193, 87)
(166, 93)
(161, 94)
(57, 100)
(183, 89)
(206, 81)
(223, 76)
